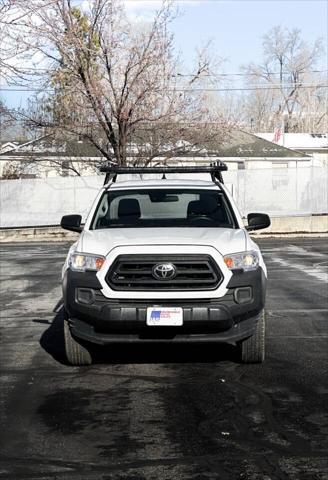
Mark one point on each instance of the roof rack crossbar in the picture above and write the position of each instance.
(214, 169)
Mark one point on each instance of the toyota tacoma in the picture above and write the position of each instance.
(166, 260)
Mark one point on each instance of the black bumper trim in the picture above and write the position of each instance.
(234, 334)
(123, 318)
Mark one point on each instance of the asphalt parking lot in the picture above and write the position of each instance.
(165, 412)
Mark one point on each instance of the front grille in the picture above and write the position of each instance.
(135, 272)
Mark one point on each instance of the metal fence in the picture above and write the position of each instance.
(278, 192)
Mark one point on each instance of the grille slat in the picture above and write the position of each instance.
(151, 282)
(135, 272)
(149, 272)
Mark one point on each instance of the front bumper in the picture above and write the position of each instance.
(112, 320)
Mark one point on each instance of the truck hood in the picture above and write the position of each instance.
(101, 242)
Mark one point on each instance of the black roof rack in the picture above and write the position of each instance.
(213, 169)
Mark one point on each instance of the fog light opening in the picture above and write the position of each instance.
(85, 296)
(243, 295)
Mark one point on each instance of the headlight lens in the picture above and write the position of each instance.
(243, 260)
(80, 262)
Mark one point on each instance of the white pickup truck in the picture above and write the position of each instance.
(164, 261)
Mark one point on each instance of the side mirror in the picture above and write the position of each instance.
(71, 222)
(257, 221)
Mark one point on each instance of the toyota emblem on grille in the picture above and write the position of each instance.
(164, 271)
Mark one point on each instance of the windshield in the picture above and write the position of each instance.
(163, 208)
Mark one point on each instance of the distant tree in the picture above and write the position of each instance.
(111, 77)
(4, 9)
(6, 118)
(11, 171)
(11, 52)
(287, 71)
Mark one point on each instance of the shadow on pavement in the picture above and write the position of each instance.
(164, 353)
(52, 341)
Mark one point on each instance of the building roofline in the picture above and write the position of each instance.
(30, 142)
(271, 143)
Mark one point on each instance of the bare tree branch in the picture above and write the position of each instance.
(110, 76)
(287, 61)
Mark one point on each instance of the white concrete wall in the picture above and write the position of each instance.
(278, 192)
(44, 201)
(281, 191)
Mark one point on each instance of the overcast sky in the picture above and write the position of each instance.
(236, 28)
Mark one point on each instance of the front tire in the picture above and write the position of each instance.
(76, 353)
(252, 350)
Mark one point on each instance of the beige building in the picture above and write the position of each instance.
(313, 144)
(50, 157)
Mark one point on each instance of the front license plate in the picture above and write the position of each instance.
(164, 316)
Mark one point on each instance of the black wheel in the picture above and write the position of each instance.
(76, 353)
(252, 350)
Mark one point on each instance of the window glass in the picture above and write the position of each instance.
(163, 208)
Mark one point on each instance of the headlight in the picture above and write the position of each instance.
(80, 262)
(243, 260)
